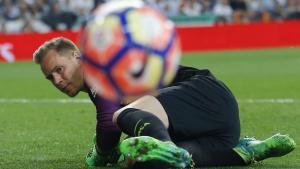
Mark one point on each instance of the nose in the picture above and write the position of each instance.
(57, 80)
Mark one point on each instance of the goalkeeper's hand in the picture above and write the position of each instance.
(95, 158)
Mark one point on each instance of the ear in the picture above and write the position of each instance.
(76, 54)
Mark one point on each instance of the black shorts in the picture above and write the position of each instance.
(201, 107)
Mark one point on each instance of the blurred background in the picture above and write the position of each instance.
(251, 45)
(17, 16)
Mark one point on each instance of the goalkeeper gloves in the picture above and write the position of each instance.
(97, 159)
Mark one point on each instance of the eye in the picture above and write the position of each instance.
(59, 69)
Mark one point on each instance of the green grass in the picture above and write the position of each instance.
(57, 136)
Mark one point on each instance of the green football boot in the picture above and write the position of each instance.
(252, 150)
(149, 149)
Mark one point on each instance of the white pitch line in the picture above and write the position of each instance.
(282, 100)
(85, 101)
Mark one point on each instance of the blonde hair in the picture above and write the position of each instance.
(59, 44)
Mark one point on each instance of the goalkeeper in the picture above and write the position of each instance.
(194, 122)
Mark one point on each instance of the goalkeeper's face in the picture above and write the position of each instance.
(64, 71)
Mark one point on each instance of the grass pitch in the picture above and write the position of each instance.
(39, 131)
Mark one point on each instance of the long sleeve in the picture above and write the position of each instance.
(107, 134)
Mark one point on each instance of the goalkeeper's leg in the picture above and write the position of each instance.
(150, 142)
(210, 151)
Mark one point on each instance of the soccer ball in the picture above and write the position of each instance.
(129, 49)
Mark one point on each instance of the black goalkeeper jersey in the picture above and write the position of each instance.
(196, 103)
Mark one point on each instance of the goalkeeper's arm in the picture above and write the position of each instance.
(107, 136)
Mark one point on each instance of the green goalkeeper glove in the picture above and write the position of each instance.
(97, 159)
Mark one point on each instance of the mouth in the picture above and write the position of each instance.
(65, 88)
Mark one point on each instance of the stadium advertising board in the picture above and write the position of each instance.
(20, 47)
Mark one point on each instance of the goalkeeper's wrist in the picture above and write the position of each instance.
(93, 158)
(110, 156)
(98, 151)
